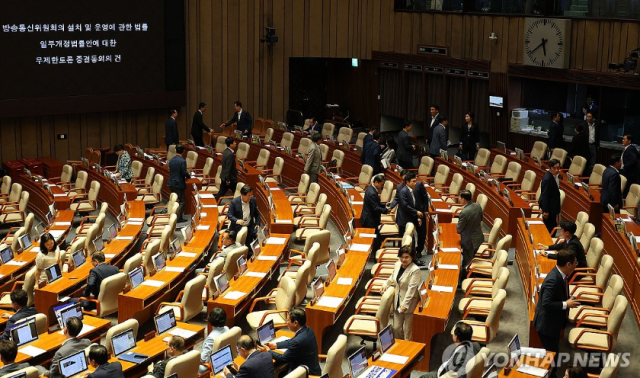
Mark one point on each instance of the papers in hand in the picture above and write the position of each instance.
(276, 241)
(442, 289)
(360, 247)
(331, 302)
(154, 283)
(184, 333)
(394, 358)
(234, 295)
(32, 351)
(532, 370)
(345, 281)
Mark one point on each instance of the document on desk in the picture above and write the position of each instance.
(60, 194)
(136, 219)
(256, 274)
(532, 370)
(443, 210)
(109, 255)
(345, 281)
(447, 266)
(184, 333)
(453, 249)
(534, 352)
(436, 199)
(62, 224)
(134, 223)
(206, 195)
(34, 249)
(276, 241)
(284, 221)
(394, 358)
(357, 202)
(32, 351)
(279, 340)
(187, 254)
(627, 219)
(209, 206)
(442, 289)
(202, 215)
(174, 269)
(267, 258)
(360, 247)
(232, 295)
(154, 283)
(14, 262)
(331, 302)
(202, 227)
(363, 235)
(124, 237)
(536, 222)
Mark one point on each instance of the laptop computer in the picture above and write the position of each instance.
(222, 283)
(6, 254)
(266, 332)
(386, 339)
(358, 362)
(24, 332)
(98, 243)
(242, 265)
(136, 276)
(221, 359)
(74, 364)
(176, 247)
(124, 342)
(159, 261)
(113, 231)
(78, 257)
(25, 242)
(331, 270)
(187, 233)
(68, 312)
(491, 372)
(318, 288)
(255, 246)
(514, 351)
(165, 321)
(53, 273)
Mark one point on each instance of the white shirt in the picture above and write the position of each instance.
(239, 114)
(246, 213)
(564, 277)
(592, 133)
(433, 119)
(622, 156)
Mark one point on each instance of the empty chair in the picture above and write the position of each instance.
(335, 355)
(387, 191)
(577, 167)
(14, 193)
(107, 301)
(11, 214)
(368, 326)
(338, 156)
(189, 301)
(215, 268)
(451, 194)
(595, 179)
(161, 214)
(221, 145)
(560, 154)
(274, 175)
(581, 219)
(284, 298)
(596, 316)
(487, 289)
(309, 198)
(360, 140)
(327, 130)
(344, 135)
(324, 150)
(86, 203)
(478, 286)
(303, 146)
(594, 256)
(243, 151)
(499, 166)
(310, 225)
(263, 159)
(513, 172)
(323, 238)
(485, 332)
(630, 207)
(424, 169)
(155, 195)
(482, 158)
(268, 135)
(6, 185)
(440, 178)
(539, 150)
(142, 185)
(301, 189)
(483, 266)
(592, 293)
(303, 209)
(12, 234)
(363, 180)
(492, 239)
(526, 185)
(192, 159)
(601, 340)
(287, 140)
(231, 261)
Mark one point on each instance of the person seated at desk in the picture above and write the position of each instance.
(100, 271)
(175, 348)
(123, 166)
(570, 242)
(228, 245)
(8, 354)
(302, 349)
(217, 320)
(243, 211)
(99, 360)
(49, 255)
(464, 351)
(314, 127)
(71, 345)
(256, 364)
(575, 372)
(19, 301)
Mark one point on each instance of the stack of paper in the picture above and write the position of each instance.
(532, 370)
(184, 333)
(267, 258)
(256, 274)
(276, 241)
(443, 289)
(394, 358)
(175, 269)
(331, 302)
(234, 295)
(32, 351)
(187, 254)
(345, 281)
(360, 247)
(450, 249)
(154, 283)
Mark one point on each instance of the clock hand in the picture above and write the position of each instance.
(537, 47)
(544, 46)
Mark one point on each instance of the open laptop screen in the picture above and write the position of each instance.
(78, 258)
(6, 255)
(358, 362)
(221, 282)
(165, 321)
(123, 342)
(266, 332)
(69, 312)
(53, 273)
(25, 332)
(98, 243)
(220, 359)
(159, 261)
(514, 351)
(74, 364)
(136, 276)
(25, 242)
(113, 231)
(242, 265)
(386, 338)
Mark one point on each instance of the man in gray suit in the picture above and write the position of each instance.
(314, 160)
(8, 354)
(469, 227)
(439, 141)
(71, 345)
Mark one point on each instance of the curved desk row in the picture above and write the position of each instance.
(109, 192)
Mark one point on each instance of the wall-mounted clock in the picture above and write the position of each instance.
(546, 42)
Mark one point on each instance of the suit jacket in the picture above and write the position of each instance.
(597, 136)
(406, 288)
(171, 131)
(257, 365)
(12, 368)
(470, 227)
(302, 349)
(367, 138)
(198, 125)
(96, 276)
(314, 161)
(574, 245)
(405, 149)
(630, 168)
(108, 370)
(431, 124)
(229, 171)
(245, 123)
(371, 156)
(439, 141)
(550, 318)
(68, 348)
(235, 214)
(469, 137)
(462, 354)
(178, 174)
(317, 128)
(396, 198)
(22, 313)
(556, 135)
(422, 198)
(549, 195)
(372, 208)
(407, 211)
(580, 145)
(611, 193)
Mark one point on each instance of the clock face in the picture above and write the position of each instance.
(545, 42)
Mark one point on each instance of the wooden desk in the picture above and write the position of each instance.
(411, 349)
(109, 192)
(319, 318)
(434, 317)
(543, 363)
(249, 284)
(40, 199)
(51, 167)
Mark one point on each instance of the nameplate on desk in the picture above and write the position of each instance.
(184, 333)
(284, 221)
(206, 195)
(394, 358)
(203, 227)
(277, 241)
(124, 237)
(154, 283)
(360, 247)
(256, 274)
(452, 249)
(109, 255)
(357, 202)
(367, 235)
(345, 281)
(32, 351)
(535, 222)
(267, 258)
(232, 295)
(60, 194)
(187, 254)
(447, 266)
(442, 289)
(443, 210)
(174, 269)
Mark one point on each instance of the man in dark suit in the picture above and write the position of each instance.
(99, 360)
(464, 351)
(256, 364)
(373, 209)
(611, 193)
(469, 227)
(175, 348)
(405, 148)
(178, 176)
(71, 345)
(371, 153)
(469, 142)
(556, 131)
(629, 163)
(370, 136)
(8, 354)
(314, 127)
(422, 204)
(243, 212)
(407, 208)
(580, 143)
(434, 121)
(229, 174)
(302, 349)
(593, 134)
(554, 303)
(439, 138)
(19, 300)
(241, 118)
(198, 125)
(549, 200)
(100, 271)
(570, 242)
(171, 135)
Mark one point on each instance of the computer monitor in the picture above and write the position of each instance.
(331, 270)
(6, 254)
(176, 246)
(386, 338)
(221, 359)
(514, 351)
(501, 146)
(222, 283)
(136, 276)
(266, 332)
(165, 321)
(113, 231)
(74, 364)
(78, 257)
(25, 332)
(69, 312)
(98, 243)
(159, 261)
(187, 233)
(496, 101)
(318, 288)
(255, 246)
(25, 242)
(123, 342)
(242, 265)
(491, 372)
(50, 218)
(358, 362)
(53, 273)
